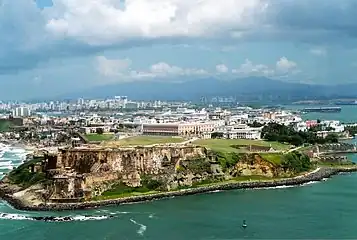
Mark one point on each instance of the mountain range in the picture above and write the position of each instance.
(243, 89)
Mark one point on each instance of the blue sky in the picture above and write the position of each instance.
(49, 48)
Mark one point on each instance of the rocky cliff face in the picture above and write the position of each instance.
(254, 164)
(77, 173)
(100, 168)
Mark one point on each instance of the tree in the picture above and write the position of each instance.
(332, 138)
(296, 140)
(256, 124)
(217, 135)
(99, 130)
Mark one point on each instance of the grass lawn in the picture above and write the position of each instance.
(5, 125)
(146, 140)
(94, 137)
(274, 158)
(225, 145)
(107, 196)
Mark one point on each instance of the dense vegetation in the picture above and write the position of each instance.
(296, 162)
(22, 175)
(351, 129)
(228, 159)
(287, 134)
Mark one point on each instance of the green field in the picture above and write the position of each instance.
(146, 140)
(274, 158)
(5, 126)
(94, 137)
(225, 145)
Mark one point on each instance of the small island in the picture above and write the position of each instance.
(143, 168)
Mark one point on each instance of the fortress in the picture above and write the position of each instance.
(79, 173)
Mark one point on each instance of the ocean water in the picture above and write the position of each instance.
(348, 113)
(320, 210)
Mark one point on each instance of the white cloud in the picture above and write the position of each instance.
(105, 21)
(112, 67)
(248, 69)
(163, 69)
(121, 68)
(221, 68)
(318, 51)
(283, 67)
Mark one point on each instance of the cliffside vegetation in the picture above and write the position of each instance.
(24, 177)
(296, 162)
(195, 166)
(148, 185)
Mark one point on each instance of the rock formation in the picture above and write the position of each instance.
(78, 174)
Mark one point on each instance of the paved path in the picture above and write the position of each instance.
(188, 141)
(294, 149)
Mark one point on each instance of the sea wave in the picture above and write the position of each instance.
(13, 216)
(11, 157)
(5, 162)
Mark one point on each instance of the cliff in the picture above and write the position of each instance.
(84, 174)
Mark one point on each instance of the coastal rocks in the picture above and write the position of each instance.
(316, 175)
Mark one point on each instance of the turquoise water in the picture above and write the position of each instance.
(322, 210)
(348, 113)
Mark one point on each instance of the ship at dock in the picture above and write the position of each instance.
(322, 109)
(346, 102)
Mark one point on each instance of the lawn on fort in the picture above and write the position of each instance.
(95, 137)
(228, 145)
(145, 140)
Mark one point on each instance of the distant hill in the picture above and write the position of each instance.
(245, 89)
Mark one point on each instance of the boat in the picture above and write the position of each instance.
(244, 225)
(322, 109)
(346, 102)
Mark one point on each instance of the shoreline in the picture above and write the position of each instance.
(313, 176)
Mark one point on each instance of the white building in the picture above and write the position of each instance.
(248, 133)
(240, 131)
(301, 126)
(21, 112)
(335, 125)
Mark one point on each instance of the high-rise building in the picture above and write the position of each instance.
(80, 101)
(21, 112)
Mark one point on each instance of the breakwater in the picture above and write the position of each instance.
(316, 175)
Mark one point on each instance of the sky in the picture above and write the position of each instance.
(48, 48)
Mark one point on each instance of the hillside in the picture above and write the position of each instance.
(245, 89)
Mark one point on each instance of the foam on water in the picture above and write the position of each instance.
(10, 157)
(142, 228)
(13, 216)
(5, 163)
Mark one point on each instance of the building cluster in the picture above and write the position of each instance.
(158, 118)
(81, 104)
